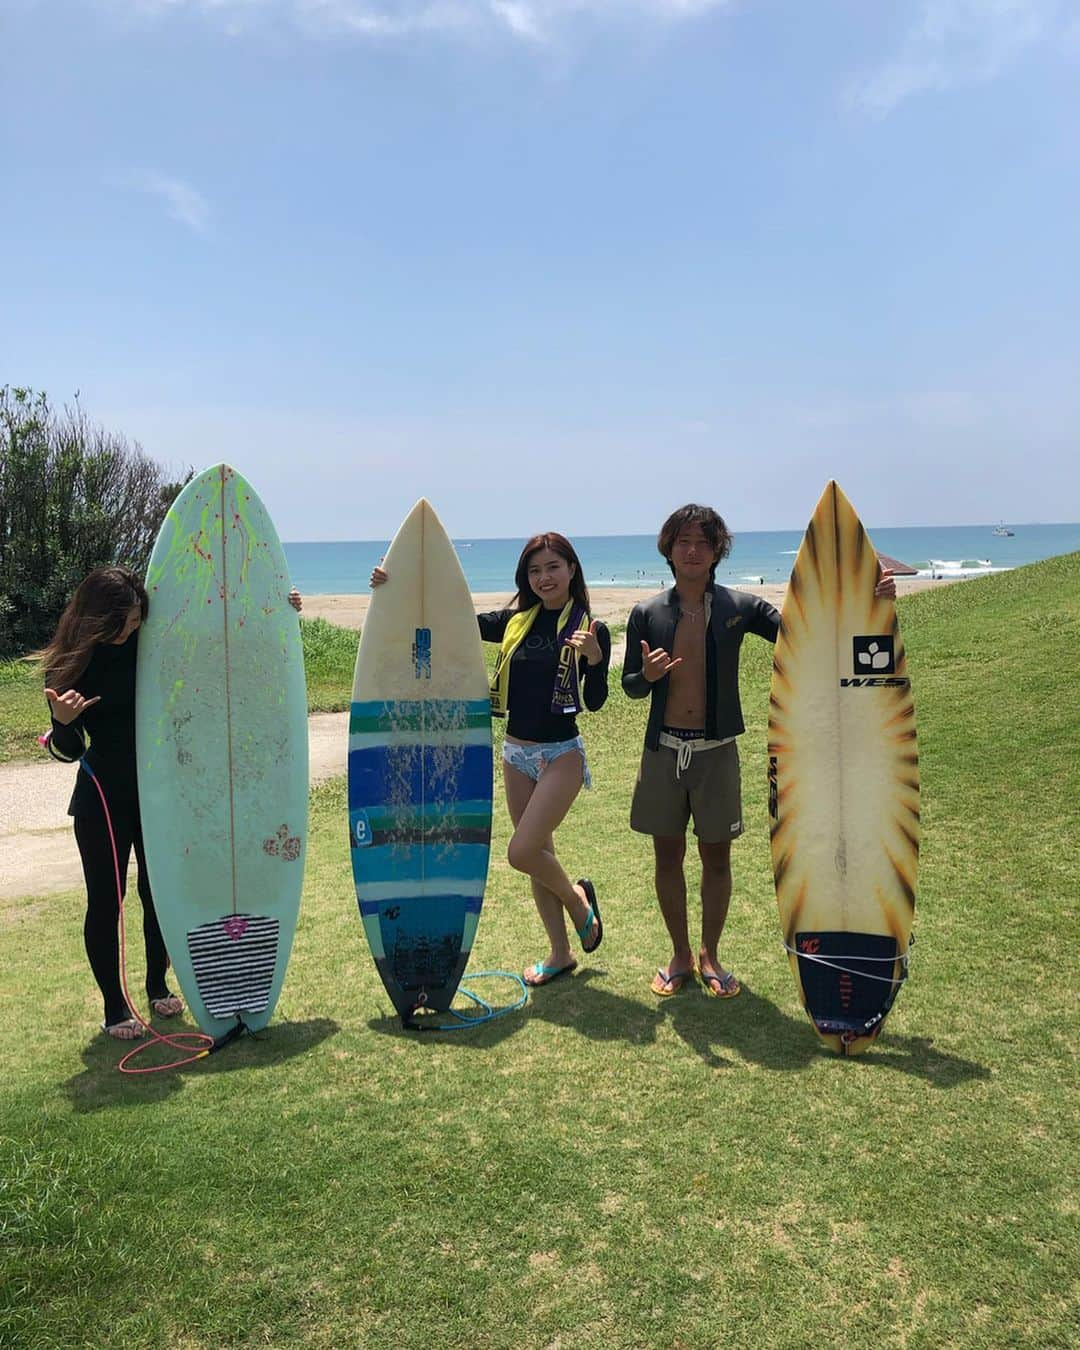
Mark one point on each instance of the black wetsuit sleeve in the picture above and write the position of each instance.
(764, 620)
(634, 682)
(67, 743)
(594, 690)
(493, 624)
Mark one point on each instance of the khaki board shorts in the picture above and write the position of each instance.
(709, 790)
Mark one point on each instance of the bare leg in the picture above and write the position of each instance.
(715, 899)
(669, 851)
(537, 809)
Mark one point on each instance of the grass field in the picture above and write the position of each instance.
(601, 1168)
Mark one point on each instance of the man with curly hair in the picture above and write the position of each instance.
(682, 650)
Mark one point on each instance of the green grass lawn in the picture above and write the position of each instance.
(602, 1168)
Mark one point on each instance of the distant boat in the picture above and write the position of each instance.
(1003, 532)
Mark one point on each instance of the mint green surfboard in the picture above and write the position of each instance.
(221, 728)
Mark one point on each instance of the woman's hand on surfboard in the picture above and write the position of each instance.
(586, 644)
(655, 662)
(67, 707)
(378, 577)
(295, 600)
(886, 584)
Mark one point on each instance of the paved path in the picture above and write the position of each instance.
(37, 846)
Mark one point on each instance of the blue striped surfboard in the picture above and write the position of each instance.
(420, 772)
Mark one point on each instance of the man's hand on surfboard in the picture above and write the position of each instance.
(886, 584)
(655, 662)
(67, 707)
(295, 600)
(378, 577)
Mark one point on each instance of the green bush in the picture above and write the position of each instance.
(72, 497)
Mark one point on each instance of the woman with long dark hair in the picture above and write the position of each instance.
(90, 685)
(552, 664)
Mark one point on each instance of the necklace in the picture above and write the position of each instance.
(693, 614)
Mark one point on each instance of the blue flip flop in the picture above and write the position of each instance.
(546, 973)
(594, 913)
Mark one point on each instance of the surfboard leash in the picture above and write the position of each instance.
(832, 959)
(464, 1021)
(193, 1044)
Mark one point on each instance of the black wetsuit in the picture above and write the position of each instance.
(110, 726)
(532, 676)
(733, 615)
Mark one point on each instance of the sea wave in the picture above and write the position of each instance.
(955, 571)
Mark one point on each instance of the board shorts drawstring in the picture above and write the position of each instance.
(687, 747)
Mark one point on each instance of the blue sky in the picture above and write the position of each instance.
(557, 263)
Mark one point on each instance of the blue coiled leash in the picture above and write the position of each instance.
(464, 1022)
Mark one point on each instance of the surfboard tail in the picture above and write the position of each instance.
(848, 982)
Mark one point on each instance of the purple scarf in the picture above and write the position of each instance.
(566, 696)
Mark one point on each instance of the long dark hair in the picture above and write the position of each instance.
(558, 543)
(95, 614)
(712, 527)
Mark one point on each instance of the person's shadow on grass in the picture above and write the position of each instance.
(758, 1031)
(720, 1031)
(100, 1085)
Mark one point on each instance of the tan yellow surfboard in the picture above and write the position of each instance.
(843, 782)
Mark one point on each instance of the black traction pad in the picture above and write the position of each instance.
(847, 979)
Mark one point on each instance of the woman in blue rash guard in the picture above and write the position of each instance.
(552, 664)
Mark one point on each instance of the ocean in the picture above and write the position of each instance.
(632, 560)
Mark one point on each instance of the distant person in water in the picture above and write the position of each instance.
(682, 652)
(552, 665)
(90, 687)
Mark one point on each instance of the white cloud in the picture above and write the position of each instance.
(954, 43)
(533, 21)
(182, 202)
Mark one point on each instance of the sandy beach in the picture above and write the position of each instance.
(610, 603)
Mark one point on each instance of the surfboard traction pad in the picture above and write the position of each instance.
(420, 969)
(234, 958)
(832, 583)
(842, 978)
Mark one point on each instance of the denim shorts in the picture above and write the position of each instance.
(531, 760)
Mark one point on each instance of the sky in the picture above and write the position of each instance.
(557, 264)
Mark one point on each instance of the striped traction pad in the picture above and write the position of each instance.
(233, 959)
(420, 778)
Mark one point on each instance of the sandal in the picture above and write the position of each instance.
(541, 974)
(130, 1029)
(726, 985)
(668, 982)
(167, 1005)
(592, 915)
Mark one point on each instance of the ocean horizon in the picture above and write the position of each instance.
(758, 556)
